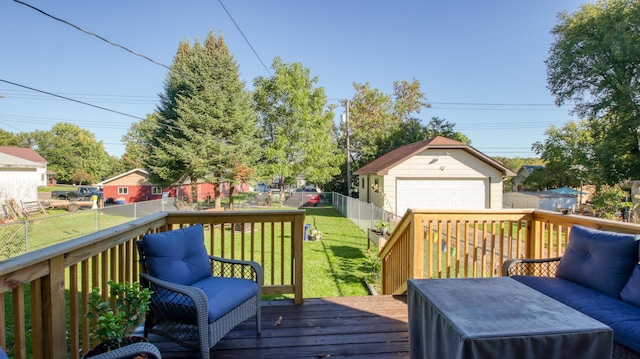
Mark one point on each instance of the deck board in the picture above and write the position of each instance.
(354, 327)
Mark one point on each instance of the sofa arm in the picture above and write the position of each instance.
(534, 267)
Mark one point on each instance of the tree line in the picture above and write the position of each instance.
(209, 127)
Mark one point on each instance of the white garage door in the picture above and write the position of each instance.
(441, 193)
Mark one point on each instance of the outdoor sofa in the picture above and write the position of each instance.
(598, 275)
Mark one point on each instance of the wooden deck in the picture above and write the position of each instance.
(354, 327)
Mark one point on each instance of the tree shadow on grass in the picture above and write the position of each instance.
(345, 266)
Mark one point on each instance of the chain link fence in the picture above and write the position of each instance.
(40, 231)
(36, 232)
(364, 215)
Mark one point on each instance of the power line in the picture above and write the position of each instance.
(245, 38)
(92, 34)
(491, 104)
(71, 99)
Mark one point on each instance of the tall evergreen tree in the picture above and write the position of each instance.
(206, 126)
(296, 125)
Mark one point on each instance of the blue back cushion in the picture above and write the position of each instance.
(631, 291)
(177, 256)
(599, 260)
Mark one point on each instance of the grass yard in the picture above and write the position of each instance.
(336, 265)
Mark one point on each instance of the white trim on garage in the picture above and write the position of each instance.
(442, 193)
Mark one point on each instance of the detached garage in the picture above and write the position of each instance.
(438, 173)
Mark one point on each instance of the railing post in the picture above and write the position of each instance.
(53, 310)
(532, 242)
(298, 241)
(416, 247)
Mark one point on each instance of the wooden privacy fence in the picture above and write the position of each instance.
(54, 283)
(474, 243)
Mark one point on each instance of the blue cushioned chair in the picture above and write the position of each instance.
(197, 298)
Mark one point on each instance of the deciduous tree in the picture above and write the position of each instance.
(567, 155)
(137, 139)
(11, 139)
(296, 125)
(594, 63)
(441, 127)
(70, 150)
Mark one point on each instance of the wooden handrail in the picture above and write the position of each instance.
(474, 243)
(59, 278)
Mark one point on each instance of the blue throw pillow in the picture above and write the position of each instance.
(177, 256)
(631, 292)
(600, 260)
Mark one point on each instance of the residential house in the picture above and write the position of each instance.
(22, 170)
(521, 176)
(134, 186)
(438, 173)
(131, 186)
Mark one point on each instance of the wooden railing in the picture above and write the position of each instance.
(461, 243)
(46, 291)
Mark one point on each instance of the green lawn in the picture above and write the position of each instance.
(337, 264)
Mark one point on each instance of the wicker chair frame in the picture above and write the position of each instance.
(149, 351)
(182, 314)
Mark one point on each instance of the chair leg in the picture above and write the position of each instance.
(258, 323)
(204, 351)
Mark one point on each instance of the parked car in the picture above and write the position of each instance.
(307, 196)
(261, 187)
(82, 193)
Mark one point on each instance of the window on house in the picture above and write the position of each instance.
(123, 190)
(156, 190)
(362, 185)
(375, 181)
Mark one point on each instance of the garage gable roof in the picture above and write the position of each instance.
(384, 163)
(23, 153)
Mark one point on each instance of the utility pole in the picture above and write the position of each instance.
(346, 121)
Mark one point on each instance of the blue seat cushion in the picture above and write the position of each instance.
(177, 256)
(600, 260)
(631, 291)
(224, 294)
(622, 317)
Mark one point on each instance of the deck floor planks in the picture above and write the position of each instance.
(354, 327)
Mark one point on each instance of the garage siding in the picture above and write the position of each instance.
(442, 193)
(445, 165)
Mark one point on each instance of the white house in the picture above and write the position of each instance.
(22, 170)
(438, 173)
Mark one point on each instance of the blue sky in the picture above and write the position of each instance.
(480, 63)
